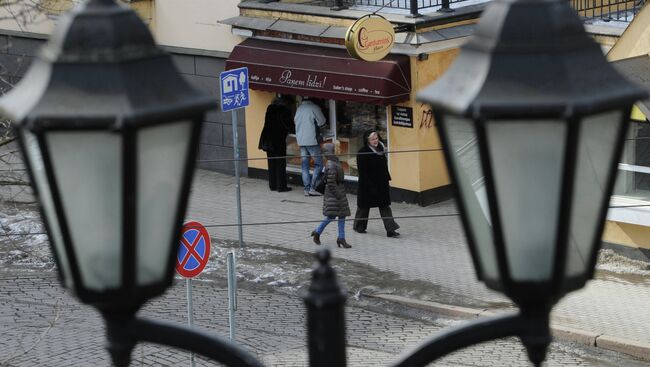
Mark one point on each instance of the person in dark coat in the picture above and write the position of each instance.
(374, 190)
(278, 123)
(335, 202)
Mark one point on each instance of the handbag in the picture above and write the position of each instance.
(319, 136)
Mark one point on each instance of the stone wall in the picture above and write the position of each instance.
(216, 150)
(202, 71)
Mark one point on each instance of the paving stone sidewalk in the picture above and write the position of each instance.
(431, 250)
(42, 325)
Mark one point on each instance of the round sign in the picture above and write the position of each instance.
(370, 38)
(194, 250)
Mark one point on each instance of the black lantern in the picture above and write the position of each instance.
(109, 131)
(532, 119)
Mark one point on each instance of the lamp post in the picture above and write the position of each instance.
(109, 132)
(532, 119)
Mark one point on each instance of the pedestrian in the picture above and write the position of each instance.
(273, 140)
(335, 202)
(309, 119)
(374, 190)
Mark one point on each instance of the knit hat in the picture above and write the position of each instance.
(328, 151)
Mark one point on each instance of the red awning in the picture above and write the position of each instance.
(322, 72)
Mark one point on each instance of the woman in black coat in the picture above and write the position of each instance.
(374, 190)
(278, 123)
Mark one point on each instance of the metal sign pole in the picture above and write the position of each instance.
(190, 313)
(235, 147)
(232, 291)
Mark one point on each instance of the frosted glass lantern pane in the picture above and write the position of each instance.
(471, 182)
(162, 155)
(596, 151)
(88, 170)
(35, 157)
(527, 163)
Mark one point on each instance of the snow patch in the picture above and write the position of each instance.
(609, 260)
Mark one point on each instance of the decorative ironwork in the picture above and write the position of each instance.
(590, 10)
(608, 10)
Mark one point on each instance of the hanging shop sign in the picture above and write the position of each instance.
(370, 38)
(402, 116)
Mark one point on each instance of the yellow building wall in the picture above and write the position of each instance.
(423, 170)
(404, 167)
(631, 235)
(254, 124)
(195, 24)
(297, 17)
(145, 9)
(635, 41)
(38, 17)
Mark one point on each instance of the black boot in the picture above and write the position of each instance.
(316, 237)
(340, 242)
(392, 233)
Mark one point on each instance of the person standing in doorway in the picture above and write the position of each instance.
(273, 140)
(374, 190)
(335, 202)
(309, 119)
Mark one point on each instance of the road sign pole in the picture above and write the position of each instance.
(232, 291)
(190, 313)
(235, 147)
(234, 95)
(192, 257)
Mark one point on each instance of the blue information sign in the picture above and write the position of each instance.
(234, 89)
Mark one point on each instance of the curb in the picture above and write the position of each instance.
(613, 343)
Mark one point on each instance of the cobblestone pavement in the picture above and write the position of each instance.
(43, 326)
(431, 252)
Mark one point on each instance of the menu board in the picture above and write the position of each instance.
(402, 116)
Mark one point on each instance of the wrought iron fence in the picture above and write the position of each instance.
(404, 4)
(413, 6)
(619, 10)
(607, 10)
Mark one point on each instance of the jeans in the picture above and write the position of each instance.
(327, 221)
(315, 152)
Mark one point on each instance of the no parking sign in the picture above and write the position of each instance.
(194, 250)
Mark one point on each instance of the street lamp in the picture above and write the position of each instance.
(109, 131)
(532, 119)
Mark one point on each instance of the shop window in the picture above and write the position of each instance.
(346, 124)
